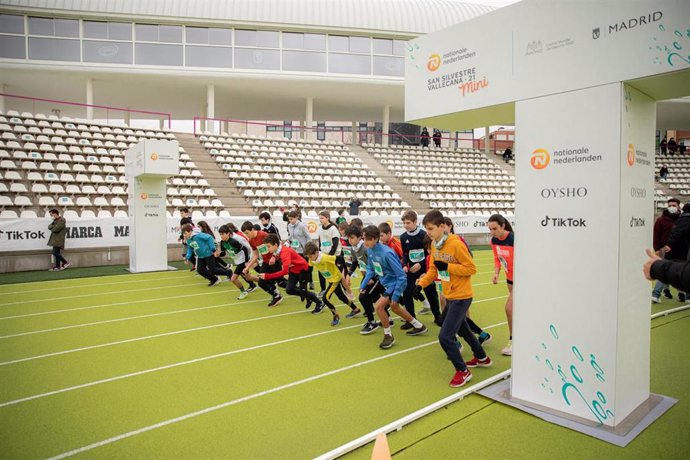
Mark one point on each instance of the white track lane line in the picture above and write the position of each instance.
(174, 365)
(146, 371)
(177, 275)
(243, 399)
(51, 299)
(91, 307)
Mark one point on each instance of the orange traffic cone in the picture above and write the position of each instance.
(381, 449)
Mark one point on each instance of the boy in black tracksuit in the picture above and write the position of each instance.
(414, 264)
(185, 218)
(357, 260)
(266, 224)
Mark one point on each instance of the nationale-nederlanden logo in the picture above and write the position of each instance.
(541, 158)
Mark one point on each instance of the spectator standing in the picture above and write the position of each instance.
(672, 146)
(354, 206)
(437, 138)
(663, 145)
(425, 138)
(662, 231)
(663, 172)
(58, 232)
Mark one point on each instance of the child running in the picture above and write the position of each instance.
(240, 252)
(293, 265)
(203, 246)
(374, 289)
(451, 261)
(325, 264)
(502, 244)
(414, 265)
(385, 264)
(259, 261)
(298, 237)
(266, 224)
(329, 242)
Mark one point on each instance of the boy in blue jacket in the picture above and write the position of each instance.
(203, 246)
(383, 262)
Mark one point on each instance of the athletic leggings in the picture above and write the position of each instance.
(206, 267)
(369, 297)
(337, 289)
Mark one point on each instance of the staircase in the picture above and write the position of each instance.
(390, 179)
(231, 197)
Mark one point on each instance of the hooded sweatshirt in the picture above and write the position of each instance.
(201, 243)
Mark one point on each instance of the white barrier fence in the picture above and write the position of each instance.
(33, 234)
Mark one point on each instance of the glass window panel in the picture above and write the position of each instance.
(66, 28)
(107, 52)
(159, 54)
(257, 59)
(51, 49)
(120, 31)
(41, 26)
(220, 36)
(389, 66)
(11, 24)
(208, 56)
(360, 45)
(267, 39)
(338, 43)
(293, 41)
(346, 63)
(146, 33)
(245, 37)
(302, 61)
(197, 35)
(170, 34)
(383, 46)
(95, 29)
(399, 47)
(12, 47)
(314, 42)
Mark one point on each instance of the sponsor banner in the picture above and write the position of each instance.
(32, 234)
(567, 264)
(535, 49)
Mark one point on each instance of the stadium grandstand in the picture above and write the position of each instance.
(273, 105)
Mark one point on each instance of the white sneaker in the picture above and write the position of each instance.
(425, 311)
(508, 350)
(655, 300)
(243, 294)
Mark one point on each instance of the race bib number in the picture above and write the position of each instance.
(326, 274)
(263, 249)
(347, 253)
(444, 275)
(416, 255)
(362, 265)
(194, 245)
(377, 269)
(294, 244)
(326, 246)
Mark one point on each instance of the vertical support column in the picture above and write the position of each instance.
(584, 194)
(210, 105)
(354, 133)
(202, 123)
(309, 117)
(128, 118)
(386, 123)
(89, 98)
(487, 141)
(3, 89)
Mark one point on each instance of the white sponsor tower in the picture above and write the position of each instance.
(579, 80)
(147, 165)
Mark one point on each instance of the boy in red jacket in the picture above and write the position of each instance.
(293, 265)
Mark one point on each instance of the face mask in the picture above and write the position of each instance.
(672, 209)
(439, 244)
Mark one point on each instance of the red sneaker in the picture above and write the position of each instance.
(461, 378)
(474, 362)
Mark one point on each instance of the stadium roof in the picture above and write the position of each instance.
(406, 17)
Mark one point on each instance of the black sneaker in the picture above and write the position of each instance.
(214, 282)
(682, 297)
(308, 305)
(251, 288)
(369, 328)
(388, 341)
(418, 330)
(319, 308)
(311, 286)
(667, 293)
(275, 301)
(406, 326)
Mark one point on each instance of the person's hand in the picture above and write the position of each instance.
(246, 270)
(370, 283)
(262, 276)
(417, 290)
(216, 254)
(647, 267)
(495, 279)
(272, 261)
(405, 269)
(440, 265)
(416, 267)
(186, 262)
(666, 249)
